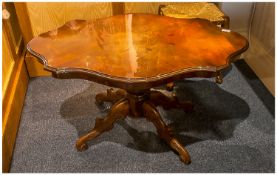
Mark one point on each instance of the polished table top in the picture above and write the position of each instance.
(136, 52)
(136, 48)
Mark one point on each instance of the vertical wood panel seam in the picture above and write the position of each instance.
(24, 21)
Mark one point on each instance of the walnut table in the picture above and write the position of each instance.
(136, 52)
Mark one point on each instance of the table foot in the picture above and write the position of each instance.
(110, 96)
(118, 111)
(170, 86)
(219, 78)
(183, 153)
(81, 146)
(159, 99)
(152, 114)
(140, 105)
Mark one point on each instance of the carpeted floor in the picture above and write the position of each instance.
(232, 129)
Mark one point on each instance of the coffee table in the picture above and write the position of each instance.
(135, 53)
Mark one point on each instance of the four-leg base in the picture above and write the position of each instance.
(125, 104)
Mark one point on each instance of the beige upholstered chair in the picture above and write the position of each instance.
(204, 10)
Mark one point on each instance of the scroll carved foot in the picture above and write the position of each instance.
(159, 99)
(110, 96)
(164, 132)
(118, 111)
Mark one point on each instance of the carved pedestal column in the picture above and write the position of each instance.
(138, 105)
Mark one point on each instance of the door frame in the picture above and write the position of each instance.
(14, 96)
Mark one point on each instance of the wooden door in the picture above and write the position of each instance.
(14, 81)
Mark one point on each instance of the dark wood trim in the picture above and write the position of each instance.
(24, 21)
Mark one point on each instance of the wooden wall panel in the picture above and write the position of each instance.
(14, 85)
(35, 68)
(260, 55)
(239, 13)
(145, 7)
(24, 22)
(141, 7)
(13, 24)
(7, 63)
(263, 25)
(45, 16)
(12, 107)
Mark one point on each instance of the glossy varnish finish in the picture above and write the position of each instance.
(136, 53)
(143, 105)
(137, 47)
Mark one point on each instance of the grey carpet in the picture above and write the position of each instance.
(232, 129)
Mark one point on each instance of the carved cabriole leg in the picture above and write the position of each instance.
(137, 105)
(164, 132)
(118, 111)
(110, 96)
(159, 99)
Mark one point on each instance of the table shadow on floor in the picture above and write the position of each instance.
(217, 113)
(257, 86)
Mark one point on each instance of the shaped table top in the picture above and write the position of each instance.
(137, 47)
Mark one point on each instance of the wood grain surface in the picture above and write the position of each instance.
(39, 17)
(8, 63)
(24, 21)
(12, 107)
(145, 7)
(35, 68)
(261, 54)
(45, 16)
(137, 47)
(263, 25)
